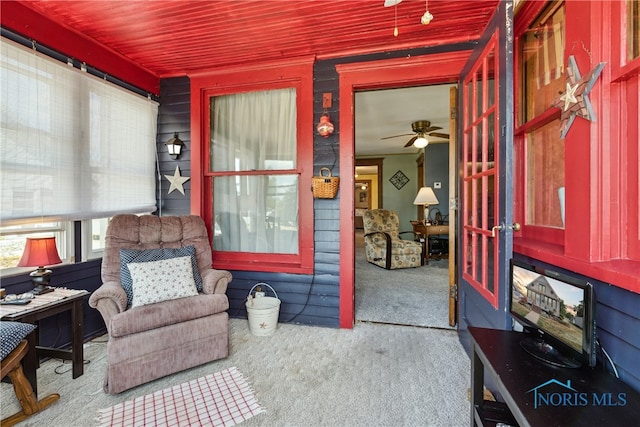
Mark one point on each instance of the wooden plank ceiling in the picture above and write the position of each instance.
(172, 38)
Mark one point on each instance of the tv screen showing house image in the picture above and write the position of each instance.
(554, 306)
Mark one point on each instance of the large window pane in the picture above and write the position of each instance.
(252, 135)
(253, 131)
(72, 146)
(256, 213)
(545, 176)
(13, 239)
(633, 29)
(541, 51)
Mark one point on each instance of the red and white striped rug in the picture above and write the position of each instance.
(221, 399)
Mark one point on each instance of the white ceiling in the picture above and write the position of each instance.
(389, 112)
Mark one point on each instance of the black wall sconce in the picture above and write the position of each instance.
(174, 146)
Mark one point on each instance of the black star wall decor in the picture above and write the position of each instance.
(575, 100)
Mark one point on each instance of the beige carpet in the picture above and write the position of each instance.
(416, 296)
(372, 375)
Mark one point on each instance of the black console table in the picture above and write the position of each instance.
(537, 394)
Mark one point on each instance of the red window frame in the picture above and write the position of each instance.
(548, 235)
(602, 233)
(625, 77)
(298, 74)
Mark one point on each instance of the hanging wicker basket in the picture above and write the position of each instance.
(325, 186)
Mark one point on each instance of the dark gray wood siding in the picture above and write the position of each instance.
(174, 115)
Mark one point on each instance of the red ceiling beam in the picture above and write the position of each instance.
(23, 20)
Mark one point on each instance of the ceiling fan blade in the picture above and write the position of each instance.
(431, 128)
(439, 135)
(396, 136)
(411, 141)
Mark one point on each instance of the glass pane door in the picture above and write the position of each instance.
(480, 190)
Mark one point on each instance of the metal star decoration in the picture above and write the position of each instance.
(569, 96)
(177, 181)
(575, 100)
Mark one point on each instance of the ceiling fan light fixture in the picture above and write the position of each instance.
(421, 142)
(389, 3)
(427, 17)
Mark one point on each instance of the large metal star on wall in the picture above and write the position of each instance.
(574, 101)
(177, 181)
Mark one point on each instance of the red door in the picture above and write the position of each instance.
(485, 168)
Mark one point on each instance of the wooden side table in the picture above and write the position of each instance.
(43, 306)
(429, 230)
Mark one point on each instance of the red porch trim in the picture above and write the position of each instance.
(393, 73)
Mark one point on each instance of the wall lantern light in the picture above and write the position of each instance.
(325, 127)
(174, 146)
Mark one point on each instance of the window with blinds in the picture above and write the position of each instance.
(72, 146)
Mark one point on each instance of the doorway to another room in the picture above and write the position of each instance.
(367, 191)
(383, 132)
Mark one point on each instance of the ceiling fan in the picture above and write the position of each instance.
(421, 129)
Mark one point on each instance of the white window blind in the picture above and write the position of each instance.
(72, 146)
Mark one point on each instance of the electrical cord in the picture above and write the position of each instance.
(304, 306)
(306, 302)
(335, 155)
(65, 363)
(606, 356)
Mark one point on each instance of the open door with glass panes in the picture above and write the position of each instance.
(485, 167)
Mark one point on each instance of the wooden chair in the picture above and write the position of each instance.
(11, 366)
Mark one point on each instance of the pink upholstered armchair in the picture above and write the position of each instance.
(165, 308)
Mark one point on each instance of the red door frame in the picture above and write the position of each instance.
(424, 70)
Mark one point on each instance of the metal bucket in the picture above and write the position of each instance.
(262, 312)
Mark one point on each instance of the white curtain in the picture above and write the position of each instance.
(255, 132)
(72, 146)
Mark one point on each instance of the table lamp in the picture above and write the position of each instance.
(426, 197)
(38, 252)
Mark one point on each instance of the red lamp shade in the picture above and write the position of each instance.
(40, 251)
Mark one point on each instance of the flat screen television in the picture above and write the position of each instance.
(557, 313)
